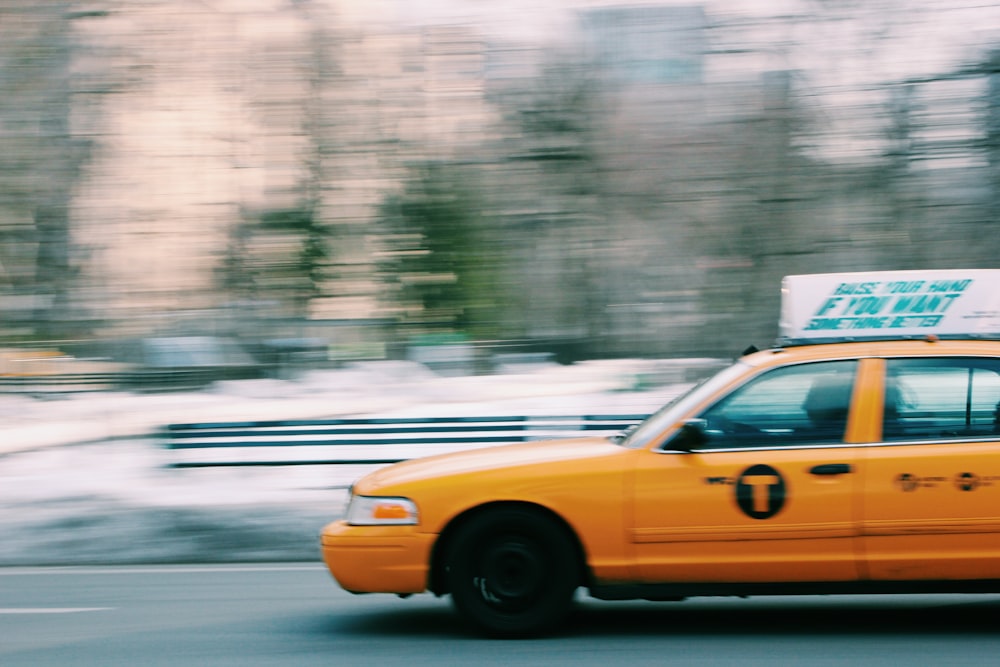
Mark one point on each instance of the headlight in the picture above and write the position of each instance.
(381, 511)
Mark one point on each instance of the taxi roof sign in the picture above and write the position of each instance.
(954, 303)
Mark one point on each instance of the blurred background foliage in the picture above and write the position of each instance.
(358, 176)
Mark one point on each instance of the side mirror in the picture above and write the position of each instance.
(692, 436)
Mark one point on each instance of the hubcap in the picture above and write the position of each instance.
(512, 573)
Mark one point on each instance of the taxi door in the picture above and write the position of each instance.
(932, 483)
(767, 495)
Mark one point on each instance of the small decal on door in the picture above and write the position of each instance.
(908, 482)
(967, 481)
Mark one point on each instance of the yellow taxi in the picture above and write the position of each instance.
(859, 455)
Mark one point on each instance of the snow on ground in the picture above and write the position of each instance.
(84, 479)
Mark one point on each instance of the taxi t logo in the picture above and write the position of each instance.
(760, 491)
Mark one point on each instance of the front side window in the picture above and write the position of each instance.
(795, 405)
(670, 413)
(941, 398)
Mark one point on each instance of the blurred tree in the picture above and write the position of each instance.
(991, 121)
(299, 274)
(283, 255)
(938, 177)
(776, 229)
(279, 257)
(557, 201)
(437, 264)
(234, 274)
(41, 161)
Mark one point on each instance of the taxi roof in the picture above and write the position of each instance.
(834, 308)
(874, 348)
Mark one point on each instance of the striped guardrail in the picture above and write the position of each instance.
(367, 441)
(76, 382)
(145, 380)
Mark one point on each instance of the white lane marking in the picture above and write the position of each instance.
(51, 610)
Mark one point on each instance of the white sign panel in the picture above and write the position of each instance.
(889, 304)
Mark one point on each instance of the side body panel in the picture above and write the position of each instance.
(744, 516)
(932, 511)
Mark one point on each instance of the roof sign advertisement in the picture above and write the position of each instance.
(890, 304)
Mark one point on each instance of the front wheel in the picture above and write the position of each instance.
(513, 572)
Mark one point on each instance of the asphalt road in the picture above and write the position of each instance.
(295, 615)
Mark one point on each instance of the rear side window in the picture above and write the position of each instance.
(941, 398)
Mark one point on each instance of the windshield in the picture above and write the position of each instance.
(672, 412)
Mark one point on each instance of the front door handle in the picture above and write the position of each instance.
(831, 469)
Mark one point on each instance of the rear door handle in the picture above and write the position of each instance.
(831, 469)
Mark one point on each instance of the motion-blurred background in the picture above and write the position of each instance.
(239, 187)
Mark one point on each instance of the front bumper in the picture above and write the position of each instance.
(377, 559)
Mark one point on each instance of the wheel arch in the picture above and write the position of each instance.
(437, 583)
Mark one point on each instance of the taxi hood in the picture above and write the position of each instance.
(488, 459)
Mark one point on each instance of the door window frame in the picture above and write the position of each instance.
(847, 438)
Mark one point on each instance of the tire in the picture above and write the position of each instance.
(513, 572)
